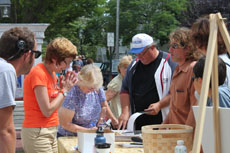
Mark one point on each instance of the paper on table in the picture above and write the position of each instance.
(131, 121)
(208, 139)
(130, 145)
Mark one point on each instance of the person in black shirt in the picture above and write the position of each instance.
(147, 81)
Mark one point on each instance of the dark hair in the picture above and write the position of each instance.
(15, 42)
(89, 61)
(200, 35)
(198, 69)
(76, 66)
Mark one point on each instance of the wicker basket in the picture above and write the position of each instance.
(163, 138)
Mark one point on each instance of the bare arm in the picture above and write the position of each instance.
(65, 118)
(41, 93)
(110, 94)
(125, 106)
(47, 107)
(110, 114)
(7, 132)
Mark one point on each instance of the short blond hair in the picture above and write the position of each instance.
(90, 76)
(124, 62)
(59, 49)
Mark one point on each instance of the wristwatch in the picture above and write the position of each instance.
(64, 93)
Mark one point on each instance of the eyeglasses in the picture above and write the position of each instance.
(174, 46)
(141, 54)
(37, 53)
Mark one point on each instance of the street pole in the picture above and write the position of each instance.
(81, 37)
(110, 63)
(117, 31)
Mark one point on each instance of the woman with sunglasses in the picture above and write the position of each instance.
(42, 97)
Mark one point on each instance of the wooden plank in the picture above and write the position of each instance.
(18, 117)
(223, 31)
(18, 121)
(205, 84)
(215, 100)
(19, 102)
(19, 109)
(18, 127)
(18, 124)
(19, 113)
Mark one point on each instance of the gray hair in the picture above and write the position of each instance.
(90, 76)
(124, 62)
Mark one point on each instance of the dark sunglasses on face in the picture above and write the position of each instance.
(37, 53)
(174, 46)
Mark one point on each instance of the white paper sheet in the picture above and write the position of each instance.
(208, 142)
(131, 121)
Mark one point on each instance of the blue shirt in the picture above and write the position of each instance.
(224, 96)
(87, 108)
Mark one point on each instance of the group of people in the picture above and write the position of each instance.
(78, 62)
(51, 109)
(165, 85)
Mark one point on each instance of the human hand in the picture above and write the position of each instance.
(115, 123)
(123, 119)
(153, 108)
(93, 128)
(68, 81)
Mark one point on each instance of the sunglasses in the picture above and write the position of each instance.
(174, 46)
(37, 53)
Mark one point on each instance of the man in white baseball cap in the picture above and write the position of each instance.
(140, 41)
(146, 82)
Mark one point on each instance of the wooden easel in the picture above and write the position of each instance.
(211, 65)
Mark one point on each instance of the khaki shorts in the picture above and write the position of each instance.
(39, 140)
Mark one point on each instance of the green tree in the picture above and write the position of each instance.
(86, 22)
(68, 18)
(154, 17)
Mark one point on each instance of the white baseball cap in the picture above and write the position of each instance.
(139, 42)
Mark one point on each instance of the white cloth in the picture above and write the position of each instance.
(8, 81)
(115, 85)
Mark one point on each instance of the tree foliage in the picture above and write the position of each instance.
(198, 8)
(68, 18)
(154, 17)
(86, 22)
